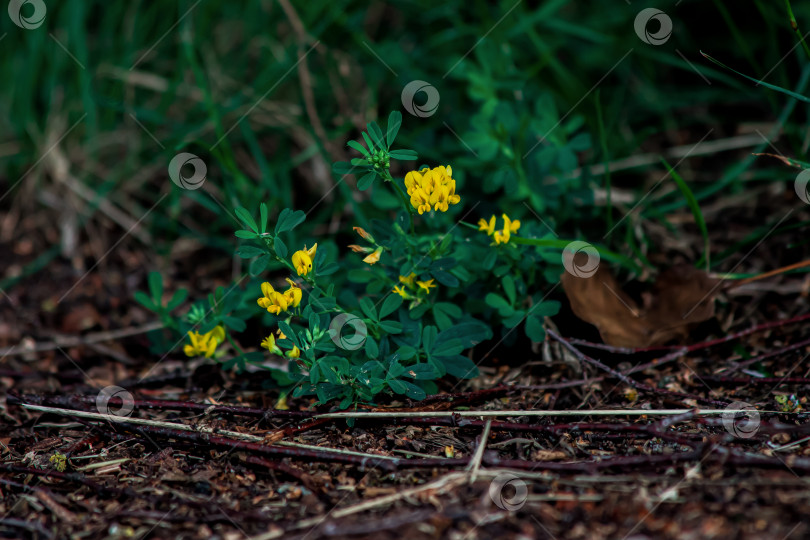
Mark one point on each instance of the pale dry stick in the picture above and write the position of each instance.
(518, 413)
(75, 341)
(440, 486)
(641, 160)
(198, 429)
(59, 166)
(475, 463)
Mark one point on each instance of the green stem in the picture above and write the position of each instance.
(402, 197)
(235, 346)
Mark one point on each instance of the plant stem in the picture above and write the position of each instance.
(402, 197)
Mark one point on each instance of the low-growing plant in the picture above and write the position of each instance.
(403, 307)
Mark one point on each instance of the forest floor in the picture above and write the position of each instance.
(705, 438)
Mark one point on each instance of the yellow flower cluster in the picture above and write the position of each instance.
(204, 344)
(501, 237)
(269, 343)
(302, 260)
(411, 286)
(432, 188)
(277, 302)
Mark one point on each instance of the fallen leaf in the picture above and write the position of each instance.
(681, 297)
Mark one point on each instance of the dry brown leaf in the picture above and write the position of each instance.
(681, 296)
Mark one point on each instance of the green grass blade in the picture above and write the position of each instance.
(695, 207)
(762, 83)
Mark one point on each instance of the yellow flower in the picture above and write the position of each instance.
(281, 404)
(204, 344)
(269, 343)
(302, 260)
(489, 228)
(427, 285)
(432, 188)
(293, 294)
(280, 334)
(402, 292)
(409, 281)
(59, 461)
(294, 353)
(374, 257)
(509, 227)
(273, 301)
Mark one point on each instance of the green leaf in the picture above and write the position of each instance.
(248, 252)
(359, 147)
(406, 352)
(535, 330)
(390, 305)
(470, 333)
(394, 121)
(143, 299)
(422, 372)
(368, 141)
(178, 298)
(263, 217)
(460, 366)
(156, 287)
(245, 234)
(497, 302)
(287, 330)
(372, 350)
(549, 308)
(289, 220)
(429, 334)
(376, 134)
(280, 247)
(448, 348)
(342, 167)
(451, 310)
(489, 260)
(514, 319)
(509, 288)
(366, 181)
(404, 155)
(445, 278)
(392, 327)
(327, 269)
(413, 391)
(368, 308)
(246, 218)
(397, 386)
(234, 323)
(259, 265)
